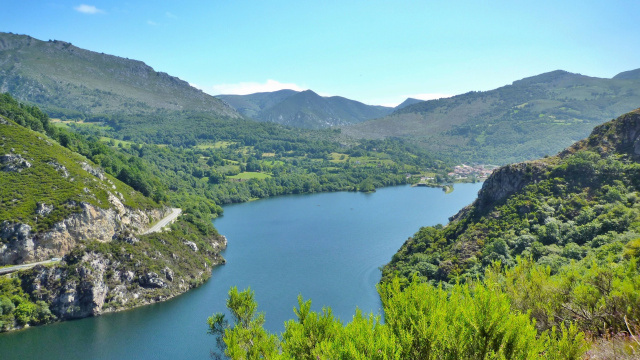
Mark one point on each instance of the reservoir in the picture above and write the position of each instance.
(327, 247)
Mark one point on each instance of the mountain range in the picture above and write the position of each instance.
(304, 109)
(528, 119)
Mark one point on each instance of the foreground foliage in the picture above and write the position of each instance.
(560, 236)
(471, 321)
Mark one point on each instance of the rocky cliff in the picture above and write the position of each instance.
(56, 203)
(21, 244)
(620, 137)
(89, 282)
(583, 202)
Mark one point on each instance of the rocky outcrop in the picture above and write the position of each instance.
(508, 180)
(19, 244)
(621, 136)
(97, 172)
(503, 183)
(13, 163)
(87, 283)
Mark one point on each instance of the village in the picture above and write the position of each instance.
(460, 173)
(465, 172)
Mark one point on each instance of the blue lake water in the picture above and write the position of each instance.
(327, 247)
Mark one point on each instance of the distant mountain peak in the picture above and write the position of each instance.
(304, 109)
(407, 102)
(531, 118)
(548, 77)
(628, 75)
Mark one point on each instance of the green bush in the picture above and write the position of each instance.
(471, 321)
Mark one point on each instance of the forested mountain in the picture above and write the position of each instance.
(67, 81)
(55, 203)
(252, 105)
(304, 109)
(528, 119)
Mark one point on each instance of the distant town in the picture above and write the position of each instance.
(464, 172)
(460, 173)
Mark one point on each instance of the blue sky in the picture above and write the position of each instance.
(377, 52)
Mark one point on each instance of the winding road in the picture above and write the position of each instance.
(175, 212)
(10, 269)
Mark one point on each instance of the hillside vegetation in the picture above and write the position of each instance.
(528, 119)
(565, 228)
(40, 176)
(67, 81)
(56, 202)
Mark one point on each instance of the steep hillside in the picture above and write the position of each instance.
(304, 109)
(68, 81)
(56, 203)
(572, 219)
(528, 119)
(53, 198)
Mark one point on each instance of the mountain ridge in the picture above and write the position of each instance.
(530, 118)
(304, 109)
(60, 76)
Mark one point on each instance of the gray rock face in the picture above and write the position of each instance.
(152, 280)
(191, 244)
(506, 181)
(502, 183)
(93, 171)
(15, 236)
(60, 168)
(168, 273)
(43, 209)
(13, 163)
(21, 245)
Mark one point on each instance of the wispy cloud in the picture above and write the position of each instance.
(430, 96)
(88, 9)
(152, 23)
(244, 88)
(170, 15)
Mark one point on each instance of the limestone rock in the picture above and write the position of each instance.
(21, 245)
(60, 168)
(152, 280)
(191, 244)
(13, 163)
(168, 273)
(43, 209)
(93, 171)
